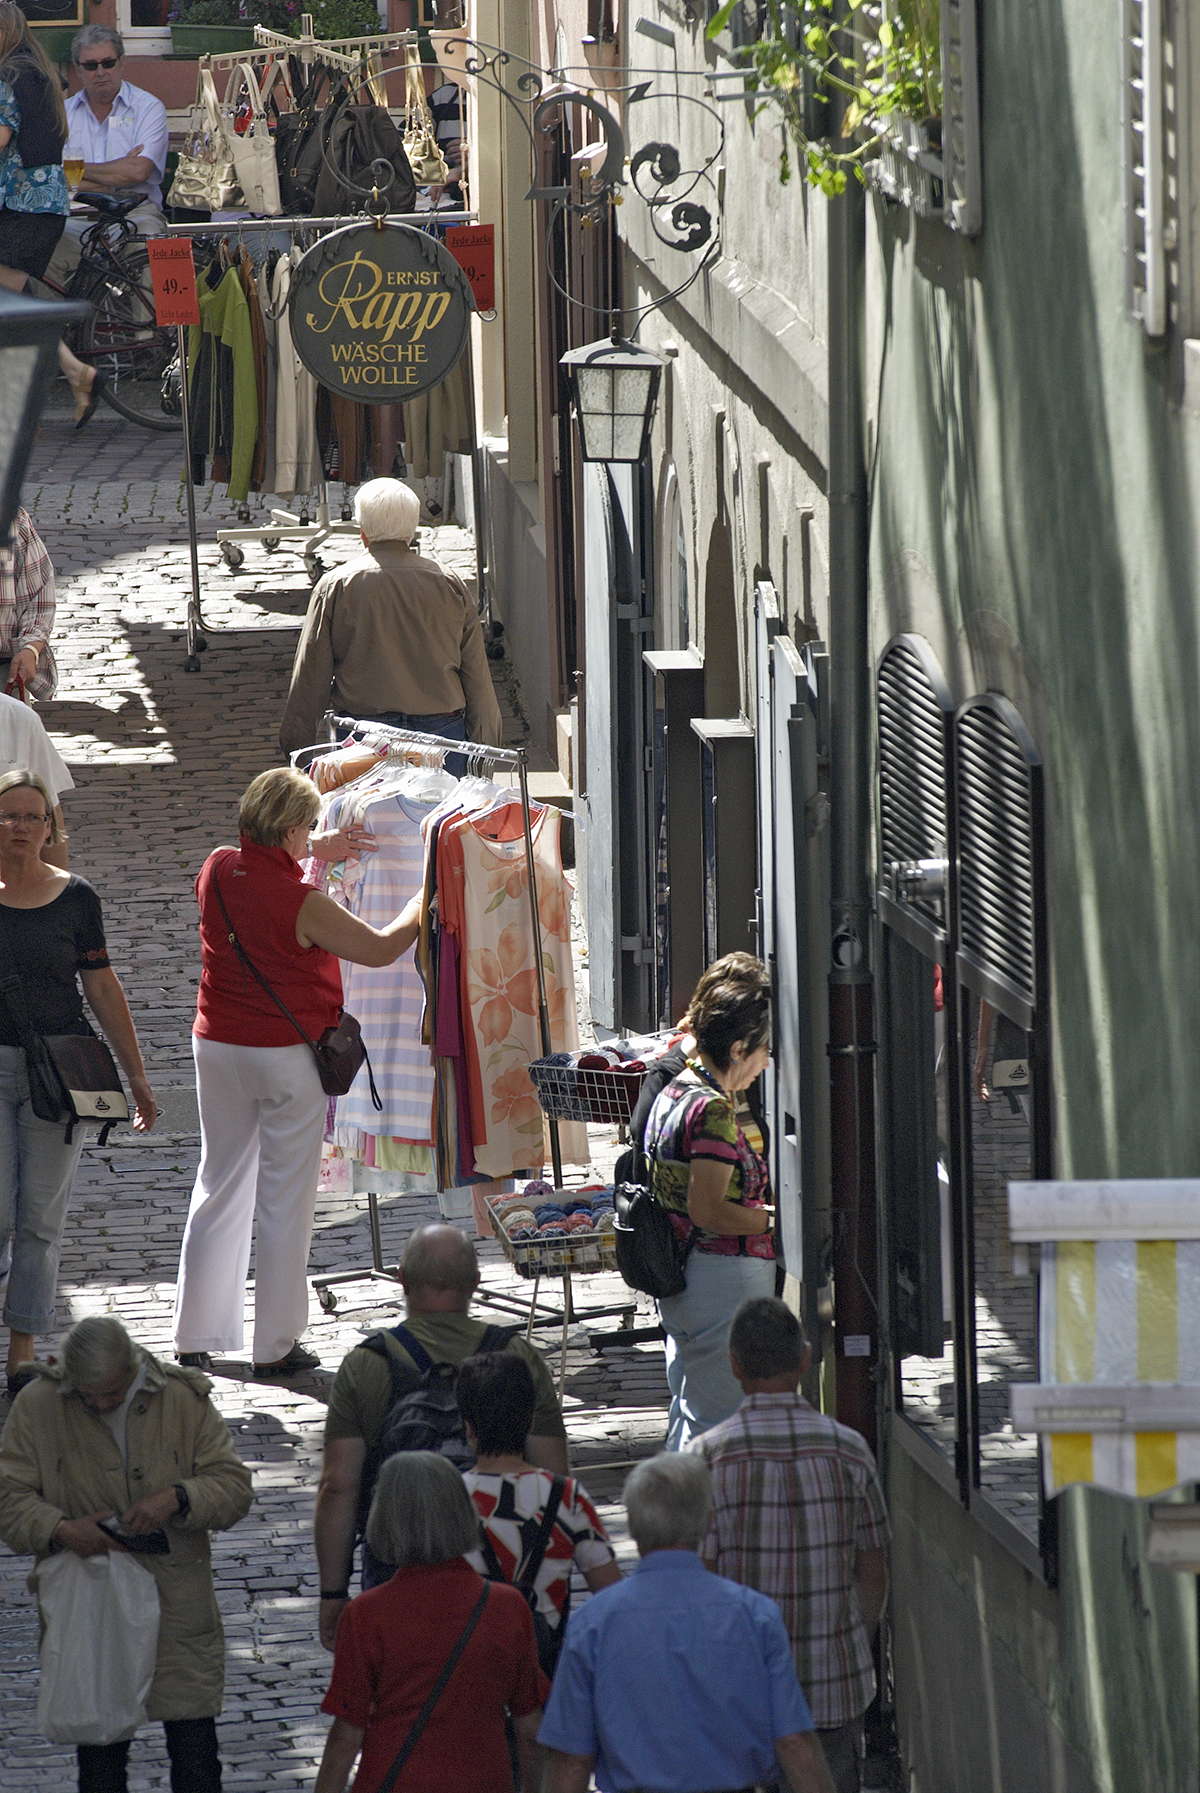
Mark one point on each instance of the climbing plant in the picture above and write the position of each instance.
(859, 61)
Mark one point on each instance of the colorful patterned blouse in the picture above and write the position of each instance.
(692, 1119)
(27, 189)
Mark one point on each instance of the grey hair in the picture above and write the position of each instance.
(96, 34)
(668, 1499)
(94, 1350)
(386, 510)
(421, 1511)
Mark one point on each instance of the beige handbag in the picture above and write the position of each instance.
(254, 148)
(205, 178)
(425, 158)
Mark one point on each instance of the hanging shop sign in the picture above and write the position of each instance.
(379, 316)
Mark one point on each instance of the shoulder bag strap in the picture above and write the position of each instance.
(529, 1567)
(252, 968)
(439, 1687)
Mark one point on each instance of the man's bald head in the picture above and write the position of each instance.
(440, 1271)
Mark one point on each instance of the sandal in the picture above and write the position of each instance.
(291, 1363)
(95, 392)
(16, 1380)
(195, 1360)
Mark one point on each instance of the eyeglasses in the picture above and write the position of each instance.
(23, 821)
(100, 62)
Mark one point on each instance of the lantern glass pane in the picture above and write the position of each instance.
(17, 366)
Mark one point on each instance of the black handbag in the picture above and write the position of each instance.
(340, 1052)
(72, 1076)
(298, 154)
(361, 148)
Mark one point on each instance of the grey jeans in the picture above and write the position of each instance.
(37, 1168)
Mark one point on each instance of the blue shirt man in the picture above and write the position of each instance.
(678, 1681)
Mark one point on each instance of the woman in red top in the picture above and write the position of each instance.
(262, 1108)
(394, 1642)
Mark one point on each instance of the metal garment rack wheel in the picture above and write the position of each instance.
(283, 524)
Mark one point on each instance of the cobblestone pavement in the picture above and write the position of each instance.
(160, 757)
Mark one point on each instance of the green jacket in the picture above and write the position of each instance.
(59, 1461)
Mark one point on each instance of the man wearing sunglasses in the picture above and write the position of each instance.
(119, 132)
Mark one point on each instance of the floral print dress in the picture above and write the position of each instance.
(27, 189)
(483, 886)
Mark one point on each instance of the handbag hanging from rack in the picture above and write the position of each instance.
(205, 179)
(72, 1077)
(425, 158)
(252, 142)
(356, 138)
(340, 1052)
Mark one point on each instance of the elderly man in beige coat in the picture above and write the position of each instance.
(110, 1430)
(391, 637)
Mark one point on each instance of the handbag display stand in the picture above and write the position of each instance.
(409, 745)
(309, 529)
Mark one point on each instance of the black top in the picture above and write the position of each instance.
(40, 139)
(660, 1072)
(48, 948)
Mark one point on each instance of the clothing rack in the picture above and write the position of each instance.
(413, 747)
(284, 525)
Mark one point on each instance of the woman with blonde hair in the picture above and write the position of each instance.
(52, 957)
(34, 200)
(262, 1107)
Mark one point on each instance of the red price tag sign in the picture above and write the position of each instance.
(173, 277)
(473, 247)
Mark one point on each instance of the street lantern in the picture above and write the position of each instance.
(29, 333)
(614, 388)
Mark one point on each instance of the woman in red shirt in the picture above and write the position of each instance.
(262, 1108)
(394, 1642)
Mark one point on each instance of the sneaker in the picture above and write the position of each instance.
(291, 1363)
(195, 1360)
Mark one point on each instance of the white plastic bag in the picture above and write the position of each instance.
(99, 1646)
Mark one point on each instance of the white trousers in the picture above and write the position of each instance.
(262, 1117)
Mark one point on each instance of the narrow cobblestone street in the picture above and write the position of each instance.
(160, 757)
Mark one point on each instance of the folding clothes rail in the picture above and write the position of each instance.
(284, 525)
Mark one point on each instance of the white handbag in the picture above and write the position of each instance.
(205, 179)
(254, 148)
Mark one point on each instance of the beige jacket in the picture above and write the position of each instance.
(58, 1461)
(390, 630)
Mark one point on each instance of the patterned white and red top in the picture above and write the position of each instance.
(511, 1508)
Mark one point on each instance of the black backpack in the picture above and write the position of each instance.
(650, 1254)
(549, 1637)
(423, 1417)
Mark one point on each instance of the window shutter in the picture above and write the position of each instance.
(998, 795)
(914, 719)
(960, 117)
(1145, 172)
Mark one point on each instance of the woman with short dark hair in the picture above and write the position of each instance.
(512, 1496)
(262, 1107)
(394, 1642)
(713, 1182)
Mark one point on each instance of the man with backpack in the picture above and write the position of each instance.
(396, 1391)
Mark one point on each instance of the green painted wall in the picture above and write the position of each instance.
(1035, 516)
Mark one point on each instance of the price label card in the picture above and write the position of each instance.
(173, 277)
(473, 247)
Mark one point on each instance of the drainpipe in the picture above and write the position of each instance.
(851, 980)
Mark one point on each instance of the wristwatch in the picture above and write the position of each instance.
(184, 1499)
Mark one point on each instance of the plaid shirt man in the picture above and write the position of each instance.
(796, 1500)
(27, 603)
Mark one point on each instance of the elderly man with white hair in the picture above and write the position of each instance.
(109, 1430)
(391, 637)
(677, 1680)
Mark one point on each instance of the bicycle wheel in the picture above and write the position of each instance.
(122, 341)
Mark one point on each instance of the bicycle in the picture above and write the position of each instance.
(120, 337)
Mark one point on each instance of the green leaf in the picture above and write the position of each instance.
(721, 18)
